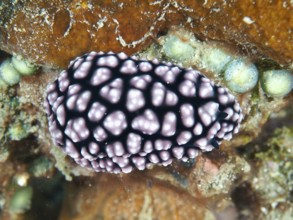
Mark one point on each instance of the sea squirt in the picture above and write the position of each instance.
(114, 113)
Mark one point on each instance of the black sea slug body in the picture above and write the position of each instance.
(114, 113)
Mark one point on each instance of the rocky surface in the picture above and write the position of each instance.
(42, 31)
(250, 177)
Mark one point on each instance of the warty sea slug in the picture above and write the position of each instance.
(113, 113)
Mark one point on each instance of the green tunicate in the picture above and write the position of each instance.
(2, 201)
(214, 59)
(17, 131)
(22, 66)
(40, 166)
(240, 75)
(277, 83)
(178, 50)
(3, 84)
(4, 154)
(8, 73)
(21, 200)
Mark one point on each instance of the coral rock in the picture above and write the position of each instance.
(53, 32)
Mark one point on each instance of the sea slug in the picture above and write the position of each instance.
(114, 113)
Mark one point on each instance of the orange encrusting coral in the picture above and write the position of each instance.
(135, 197)
(54, 32)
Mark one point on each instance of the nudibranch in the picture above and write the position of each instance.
(114, 113)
